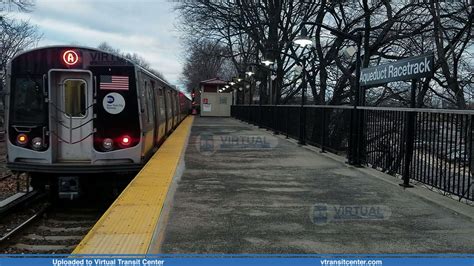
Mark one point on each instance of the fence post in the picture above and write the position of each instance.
(361, 129)
(409, 137)
(275, 119)
(287, 122)
(356, 149)
(302, 137)
(323, 128)
(352, 145)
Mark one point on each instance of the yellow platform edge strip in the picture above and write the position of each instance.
(128, 225)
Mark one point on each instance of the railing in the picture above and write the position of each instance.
(431, 146)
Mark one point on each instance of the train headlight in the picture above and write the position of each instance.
(108, 144)
(22, 139)
(37, 143)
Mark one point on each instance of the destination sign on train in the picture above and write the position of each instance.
(405, 69)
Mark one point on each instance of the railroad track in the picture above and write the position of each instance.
(50, 230)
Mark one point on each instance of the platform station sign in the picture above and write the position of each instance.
(405, 69)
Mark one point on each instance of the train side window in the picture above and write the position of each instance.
(170, 96)
(162, 103)
(75, 98)
(142, 96)
(145, 108)
(149, 100)
(176, 100)
(175, 104)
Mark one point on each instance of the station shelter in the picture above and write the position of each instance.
(212, 101)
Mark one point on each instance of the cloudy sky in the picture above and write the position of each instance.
(146, 27)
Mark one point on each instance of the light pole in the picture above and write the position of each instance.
(250, 72)
(268, 62)
(302, 140)
(355, 140)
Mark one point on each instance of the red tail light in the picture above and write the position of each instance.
(125, 141)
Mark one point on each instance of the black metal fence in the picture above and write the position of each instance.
(431, 146)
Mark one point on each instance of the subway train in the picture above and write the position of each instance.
(77, 112)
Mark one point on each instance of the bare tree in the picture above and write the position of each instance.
(391, 30)
(205, 60)
(252, 30)
(452, 28)
(17, 5)
(15, 36)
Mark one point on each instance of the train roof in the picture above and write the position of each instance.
(97, 50)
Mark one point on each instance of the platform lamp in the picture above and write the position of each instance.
(267, 59)
(303, 39)
(250, 72)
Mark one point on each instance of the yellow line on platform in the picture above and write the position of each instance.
(127, 227)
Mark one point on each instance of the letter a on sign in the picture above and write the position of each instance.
(70, 57)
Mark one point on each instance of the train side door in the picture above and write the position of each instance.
(72, 115)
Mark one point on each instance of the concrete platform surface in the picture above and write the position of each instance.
(245, 190)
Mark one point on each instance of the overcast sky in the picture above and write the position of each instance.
(146, 27)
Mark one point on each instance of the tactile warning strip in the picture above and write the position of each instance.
(127, 227)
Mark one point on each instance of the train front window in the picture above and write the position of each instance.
(28, 104)
(75, 98)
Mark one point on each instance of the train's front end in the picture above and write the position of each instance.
(69, 112)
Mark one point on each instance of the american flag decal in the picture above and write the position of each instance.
(114, 83)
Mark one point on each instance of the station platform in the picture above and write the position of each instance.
(241, 189)
(245, 190)
(128, 226)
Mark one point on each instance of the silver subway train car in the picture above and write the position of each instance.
(75, 112)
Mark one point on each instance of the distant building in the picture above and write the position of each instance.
(213, 102)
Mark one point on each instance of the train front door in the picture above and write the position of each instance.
(72, 115)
